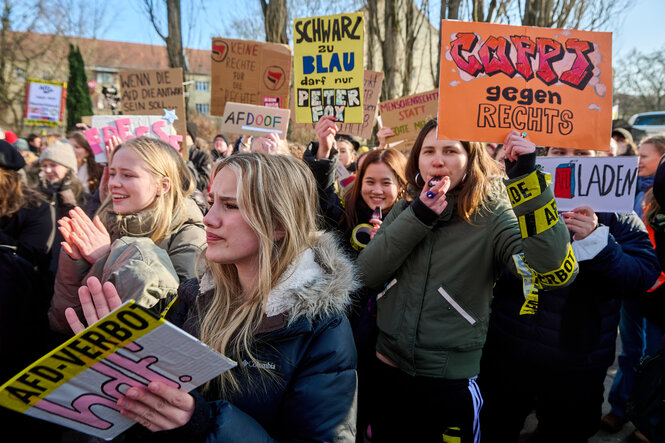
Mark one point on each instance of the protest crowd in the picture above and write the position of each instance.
(382, 289)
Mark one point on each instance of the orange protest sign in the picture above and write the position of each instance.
(553, 84)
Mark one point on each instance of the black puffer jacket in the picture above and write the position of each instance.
(575, 327)
(307, 344)
(323, 169)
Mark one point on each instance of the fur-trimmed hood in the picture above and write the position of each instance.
(319, 283)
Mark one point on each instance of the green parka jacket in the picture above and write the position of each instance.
(433, 313)
(140, 269)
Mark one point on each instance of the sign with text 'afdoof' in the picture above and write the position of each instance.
(78, 384)
(606, 184)
(243, 119)
(553, 84)
(328, 66)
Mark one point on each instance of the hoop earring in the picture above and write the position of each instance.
(415, 180)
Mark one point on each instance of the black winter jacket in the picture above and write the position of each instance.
(310, 350)
(575, 327)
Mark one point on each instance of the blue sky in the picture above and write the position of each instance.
(641, 27)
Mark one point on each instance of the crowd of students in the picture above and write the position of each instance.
(369, 294)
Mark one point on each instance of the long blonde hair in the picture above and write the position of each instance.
(168, 211)
(275, 193)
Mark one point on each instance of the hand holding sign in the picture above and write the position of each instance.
(517, 144)
(382, 134)
(112, 144)
(161, 407)
(326, 129)
(581, 221)
(268, 145)
(158, 408)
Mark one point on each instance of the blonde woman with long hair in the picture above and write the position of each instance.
(147, 197)
(273, 298)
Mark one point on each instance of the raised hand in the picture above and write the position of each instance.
(517, 144)
(382, 134)
(69, 246)
(268, 144)
(96, 301)
(110, 147)
(326, 129)
(90, 237)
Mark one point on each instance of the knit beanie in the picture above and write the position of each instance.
(10, 157)
(22, 144)
(62, 152)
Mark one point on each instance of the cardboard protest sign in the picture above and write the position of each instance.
(328, 67)
(240, 118)
(606, 184)
(407, 115)
(77, 385)
(44, 102)
(372, 84)
(553, 84)
(125, 127)
(153, 92)
(245, 71)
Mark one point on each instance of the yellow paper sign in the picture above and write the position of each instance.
(328, 65)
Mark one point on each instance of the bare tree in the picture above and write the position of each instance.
(173, 35)
(640, 83)
(396, 31)
(572, 14)
(275, 17)
(449, 10)
(22, 54)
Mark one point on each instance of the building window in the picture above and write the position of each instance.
(203, 86)
(203, 108)
(104, 78)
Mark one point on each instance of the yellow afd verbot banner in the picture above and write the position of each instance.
(328, 65)
(79, 383)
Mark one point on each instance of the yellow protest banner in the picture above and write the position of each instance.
(328, 65)
(79, 383)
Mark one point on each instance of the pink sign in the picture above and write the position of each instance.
(104, 127)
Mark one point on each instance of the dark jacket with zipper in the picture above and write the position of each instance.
(440, 270)
(307, 349)
(575, 327)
